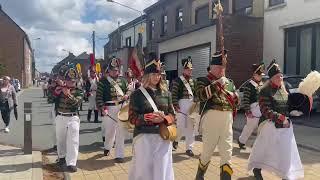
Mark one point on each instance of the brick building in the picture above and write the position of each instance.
(16, 54)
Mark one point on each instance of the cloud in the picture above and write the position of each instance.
(68, 24)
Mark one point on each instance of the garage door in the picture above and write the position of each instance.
(200, 59)
(170, 61)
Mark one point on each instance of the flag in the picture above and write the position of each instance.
(92, 59)
(137, 58)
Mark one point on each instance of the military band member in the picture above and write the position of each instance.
(183, 91)
(152, 155)
(111, 94)
(91, 89)
(67, 121)
(275, 149)
(218, 95)
(251, 106)
(52, 101)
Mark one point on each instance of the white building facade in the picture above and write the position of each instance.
(292, 35)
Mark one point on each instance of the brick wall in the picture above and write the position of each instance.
(11, 48)
(244, 40)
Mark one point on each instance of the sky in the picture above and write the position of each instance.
(68, 25)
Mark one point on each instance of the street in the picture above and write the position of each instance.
(92, 163)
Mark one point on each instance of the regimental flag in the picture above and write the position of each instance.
(136, 62)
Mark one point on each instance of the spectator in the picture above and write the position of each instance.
(45, 89)
(7, 101)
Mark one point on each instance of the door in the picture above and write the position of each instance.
(200, 60)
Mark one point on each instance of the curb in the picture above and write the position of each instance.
(37, 173)
(310, 148)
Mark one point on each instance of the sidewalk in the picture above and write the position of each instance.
(14, 165)
(92, 165)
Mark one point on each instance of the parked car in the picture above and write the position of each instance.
(291, 83)
(16, 84)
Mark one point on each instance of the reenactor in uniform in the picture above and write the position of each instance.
(111, 94)
(219, 103)
(152, 155)
(52, 101)
(275, 149)
(183, 91)
(251, 106)
(68, 99)
(91, 90)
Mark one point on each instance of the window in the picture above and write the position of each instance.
(179, 19)
(128, 42)
(275, 2)
(242, 7)
(202, 15)
(164, 24)
(151, 33)
(302, 49)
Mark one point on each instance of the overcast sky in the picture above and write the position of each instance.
(68, 24)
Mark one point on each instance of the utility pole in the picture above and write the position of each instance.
(94, 44)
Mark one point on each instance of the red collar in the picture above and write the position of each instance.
(274, 86)
(186, 77)
(211, 77)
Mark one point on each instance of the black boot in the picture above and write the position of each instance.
(241, 146)
(96, 115)
(61, 162)
(257, 174)
(175, 145)
(202, 169)
(89, 115)
(226, 172)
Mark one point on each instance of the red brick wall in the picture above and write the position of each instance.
(244, 40)
(11, 48)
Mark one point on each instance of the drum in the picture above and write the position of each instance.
(168, 132)
(123, 116)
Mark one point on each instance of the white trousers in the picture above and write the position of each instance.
(92, 101)
(67, 129)
(185, 125)
(152, 158)
(217, 130)
(52, 116)
(276, 150)
(251, 125)
(114, 131)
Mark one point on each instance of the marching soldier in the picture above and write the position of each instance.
(250, 103)
(150, 109)
(91, 88)
(111, 95)
(182, 98)
(51, 100)
(67, 121)
(219, 100)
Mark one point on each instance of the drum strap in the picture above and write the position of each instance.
(187, 85)
(147, 95)
(116, 86)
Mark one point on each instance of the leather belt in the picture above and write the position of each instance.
(113, 103)
(67, 114)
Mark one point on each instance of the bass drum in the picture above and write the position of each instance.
(123, 116)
